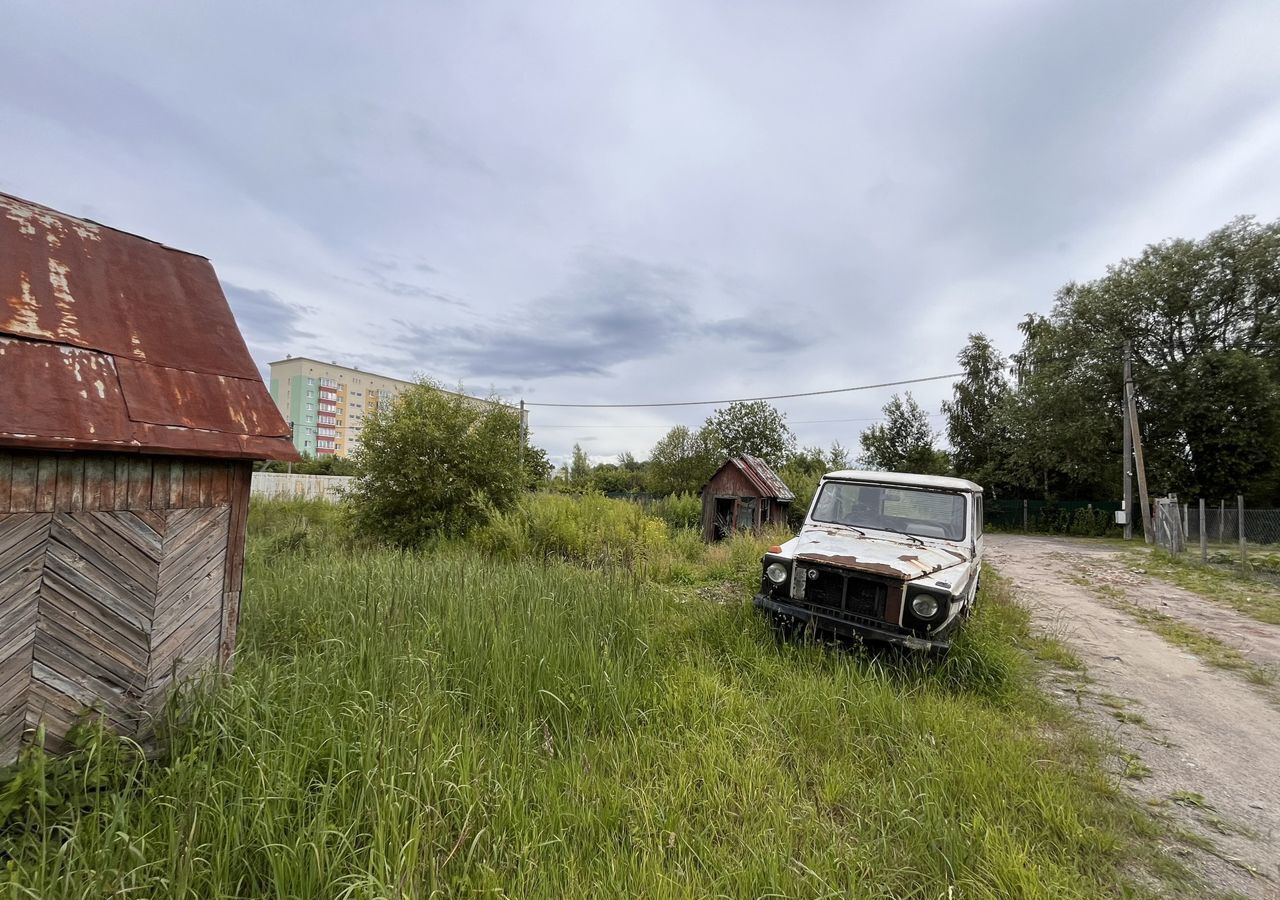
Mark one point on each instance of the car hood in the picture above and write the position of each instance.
(884, 554)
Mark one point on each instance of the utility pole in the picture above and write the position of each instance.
(293, 436)
(1136, 435)
(522, 434)
(1127, 502)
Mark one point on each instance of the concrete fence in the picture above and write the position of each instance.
(279, 486)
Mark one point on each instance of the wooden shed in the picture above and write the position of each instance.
(130, 413)
(743, 494)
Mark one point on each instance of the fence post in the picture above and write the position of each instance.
(1204, 536)
(1222, 521)
(1244, 550)
(1024, 515)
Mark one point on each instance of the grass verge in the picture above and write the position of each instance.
(1247, 596)
(462, 723)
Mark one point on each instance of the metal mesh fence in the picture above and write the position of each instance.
(1248, 538)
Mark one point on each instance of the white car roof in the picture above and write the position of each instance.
(905, 478)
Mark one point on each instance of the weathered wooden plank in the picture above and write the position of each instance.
(16, 529)
(122, 482)
(13, 725)
(228, 628)
(191, 473)
(60, 593)
(140, 483)
(67, 653)
(182, 642)
(23, 490)
(206, 483)
(242, 474)
(174, 606)
(99, 482)
(6, 484)
(159, 484)
(139, 529)
(46, 483)
(69, 486)
(219, 488)
(193, 548)
(94, 589)
(177, 472)
(107, 641)
(91, 538)
(59, 710)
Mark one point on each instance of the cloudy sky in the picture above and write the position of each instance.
(603, 202)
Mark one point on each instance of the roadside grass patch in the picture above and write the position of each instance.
(1247, 596)
(464, 721)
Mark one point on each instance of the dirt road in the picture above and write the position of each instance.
(1204, 742)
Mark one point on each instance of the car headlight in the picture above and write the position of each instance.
(925, 606)
(776, 572)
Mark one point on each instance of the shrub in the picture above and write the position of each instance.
(435, 464)
(678, 510)
(588, 529)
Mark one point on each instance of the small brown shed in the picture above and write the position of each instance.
(130, 413)
(743, 494)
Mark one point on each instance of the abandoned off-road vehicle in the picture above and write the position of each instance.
(885, 556)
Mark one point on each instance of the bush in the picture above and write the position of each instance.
(588, 528)
(435, 464)
(678, 510)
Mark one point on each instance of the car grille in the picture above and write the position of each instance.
(836, 590)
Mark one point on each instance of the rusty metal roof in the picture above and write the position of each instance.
(110, 341)
(766, 480)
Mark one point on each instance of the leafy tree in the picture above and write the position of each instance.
(804, 469)
(755, 428)
(977, 426)
(579, 468)
(435, 463)
(903, 442)
(537, 468)
(682, 461)
(1203, 320)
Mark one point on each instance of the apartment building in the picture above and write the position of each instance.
(328, 404)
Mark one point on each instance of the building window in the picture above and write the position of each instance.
(311, 382)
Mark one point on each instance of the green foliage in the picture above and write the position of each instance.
(977, 428)
(904, 442)
(587, 529)
(435, 464)
(1203, 318)
(455, 724)
(802, 472)
(309, 465)
(677, 510)
(754, 428)
(682, 461)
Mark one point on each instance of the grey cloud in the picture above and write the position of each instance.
(615, 310)
(268, 323)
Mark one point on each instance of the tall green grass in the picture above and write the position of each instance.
(458, 723)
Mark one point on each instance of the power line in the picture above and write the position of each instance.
(862, 387)
(797, 422)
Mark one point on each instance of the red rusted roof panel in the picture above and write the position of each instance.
(60, 392)
(71, 281)
(763, 477)
(162, 396)
(112, 341)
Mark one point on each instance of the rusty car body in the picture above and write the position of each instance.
(884, 556)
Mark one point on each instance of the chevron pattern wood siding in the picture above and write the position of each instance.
(119, 576)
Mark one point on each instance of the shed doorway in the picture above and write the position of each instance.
(723, 522)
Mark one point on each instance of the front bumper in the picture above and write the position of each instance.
(888, 633)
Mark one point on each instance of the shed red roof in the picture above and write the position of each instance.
(109, 341)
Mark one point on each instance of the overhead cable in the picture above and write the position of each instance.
(861, 387)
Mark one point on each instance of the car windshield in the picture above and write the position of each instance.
(916, 511)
